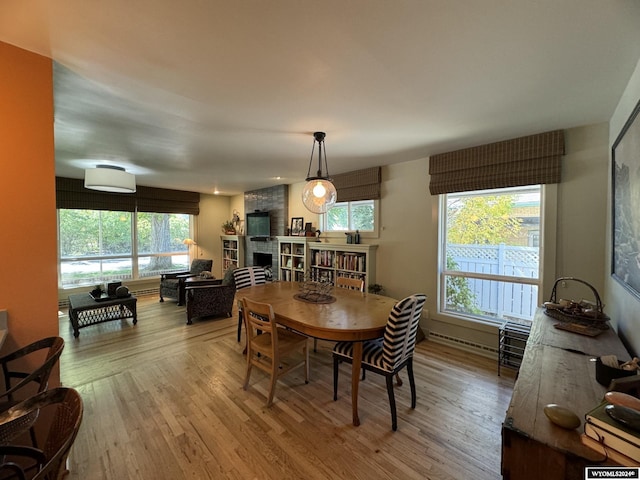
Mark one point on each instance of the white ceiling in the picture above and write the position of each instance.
(211, 94)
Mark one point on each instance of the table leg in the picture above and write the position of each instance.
(73, 316)
(355, 380)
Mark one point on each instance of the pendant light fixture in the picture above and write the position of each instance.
(319, 194)
(109, 178)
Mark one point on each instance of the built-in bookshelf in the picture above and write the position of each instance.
(232, 251)
(328, 261)
(293, 253)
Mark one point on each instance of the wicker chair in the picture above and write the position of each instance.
(209, 300)
(48, 463)
(172, 284)
(20, 385)
(38, 378)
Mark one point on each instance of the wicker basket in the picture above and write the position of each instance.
(575, 313)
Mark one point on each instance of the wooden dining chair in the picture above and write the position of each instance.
(349, 284)
(247, 277)
(388, 355)
(271, 348)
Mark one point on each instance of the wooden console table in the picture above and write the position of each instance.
(556, 368)
(85, 311)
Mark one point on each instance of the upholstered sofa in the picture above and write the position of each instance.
(209, 300)
(172, 284)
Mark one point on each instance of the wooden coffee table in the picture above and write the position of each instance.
(84, 310)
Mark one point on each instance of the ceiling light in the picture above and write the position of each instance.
(319, 194)
(109, 178)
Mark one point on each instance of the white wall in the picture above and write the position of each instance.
(623, 307)
(582, 209)
(214, 211)
(408, 253)
(407, 257)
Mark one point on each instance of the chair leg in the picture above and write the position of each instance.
(239, 325)
(335, 377)
(274, 380)
(412, 382)
(398, 380)
(248, 374)
(315, 344)
(392, 402)
(306, 363)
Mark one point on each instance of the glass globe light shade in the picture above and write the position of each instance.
(319, 195)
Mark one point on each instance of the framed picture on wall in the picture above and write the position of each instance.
(297, 226)
(625, 228)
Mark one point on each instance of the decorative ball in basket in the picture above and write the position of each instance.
(583, 312)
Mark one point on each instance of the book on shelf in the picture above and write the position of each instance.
(613, 434)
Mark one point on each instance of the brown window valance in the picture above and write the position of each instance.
(530, 160)
(358, 185)
(70, 193)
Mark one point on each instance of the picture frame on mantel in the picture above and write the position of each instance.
(297, 226)
(625, 215)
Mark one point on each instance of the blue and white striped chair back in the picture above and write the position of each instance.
(402, 327)
(249, 276)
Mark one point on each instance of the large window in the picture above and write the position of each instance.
(98, 246)
(490, 256)
(351, 216)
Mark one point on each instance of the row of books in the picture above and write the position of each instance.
(343, 261)
(621, 442)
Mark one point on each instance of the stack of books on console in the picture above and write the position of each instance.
(619, 438)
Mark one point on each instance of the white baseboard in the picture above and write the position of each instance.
(64, 302)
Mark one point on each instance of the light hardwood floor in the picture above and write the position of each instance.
(164, 400)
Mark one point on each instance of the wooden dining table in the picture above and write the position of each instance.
(354, 316)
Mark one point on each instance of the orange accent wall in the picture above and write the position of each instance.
(28, 238)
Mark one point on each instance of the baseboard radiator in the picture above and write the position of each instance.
(64, 302)
(477, 348)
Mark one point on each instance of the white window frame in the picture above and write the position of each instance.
(363, 233)
(547, 249)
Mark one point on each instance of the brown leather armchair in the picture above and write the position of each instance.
(172, 284)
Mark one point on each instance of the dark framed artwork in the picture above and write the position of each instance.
(297, 226)
(625, 223)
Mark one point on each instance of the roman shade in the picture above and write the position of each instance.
(358, 185)
(530, 160)
(162, 200)
(71, 194)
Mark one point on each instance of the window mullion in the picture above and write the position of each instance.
(489, 276)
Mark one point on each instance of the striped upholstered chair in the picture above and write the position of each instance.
(247, 277)
(390, 354)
